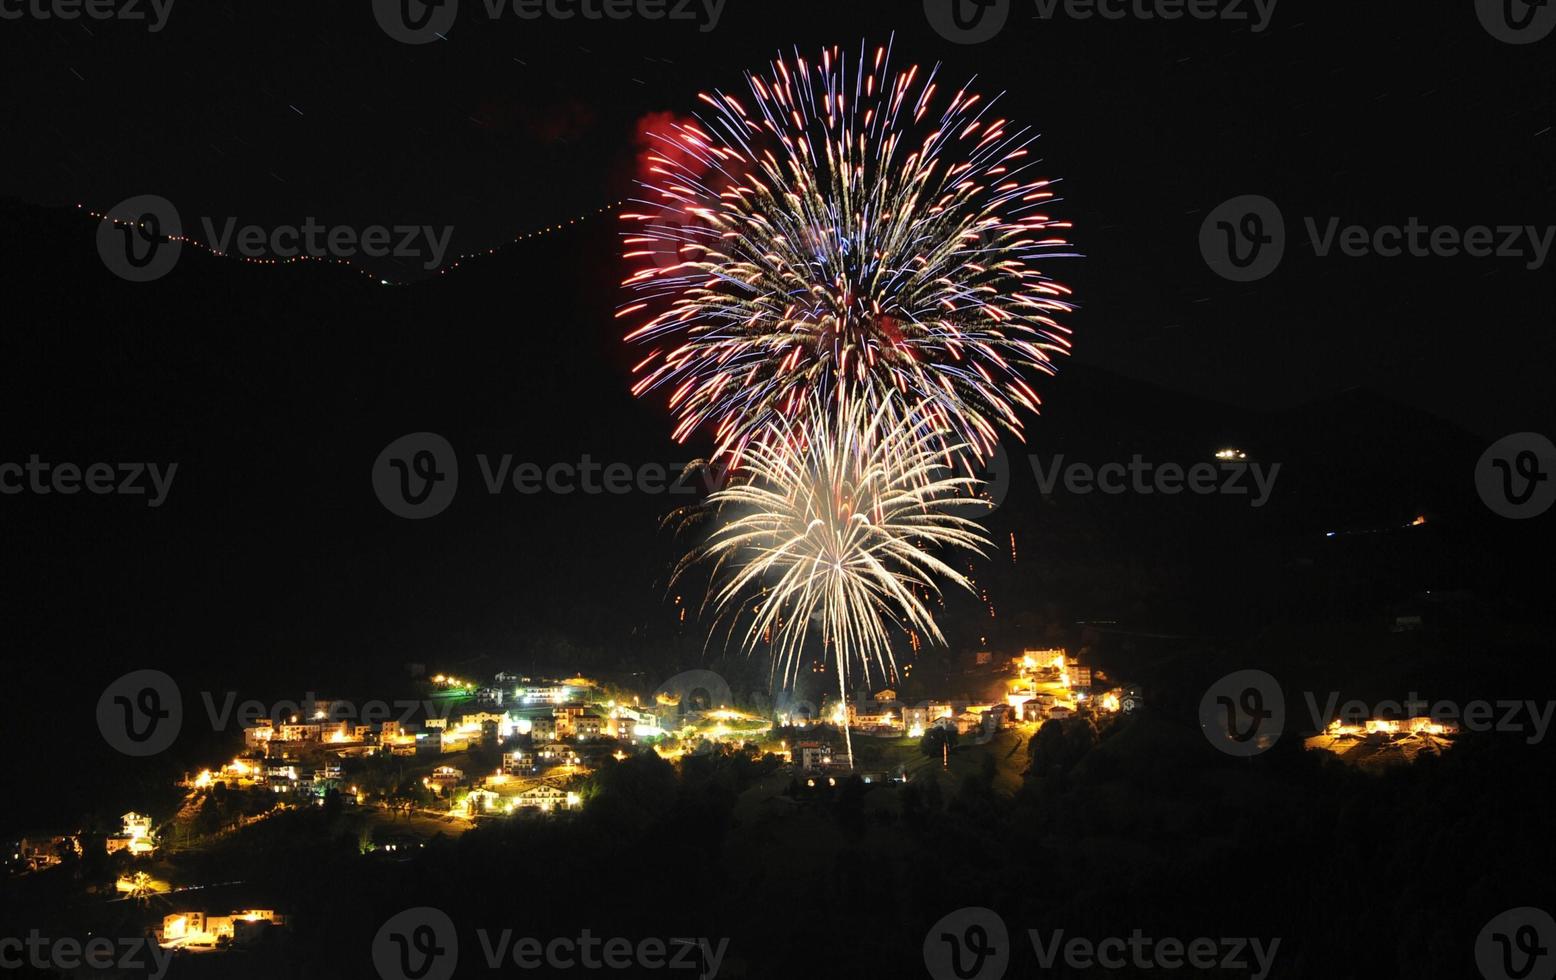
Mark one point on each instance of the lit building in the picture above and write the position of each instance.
(566, 717)
(308, 731)
(481, 801)
(135, 835)
(38, 851)
(259, 734)
(542, 693)
(544, 799)
(200, 929)
(918, 718)
(813, 756)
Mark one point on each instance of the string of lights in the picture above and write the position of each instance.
(444, 270)
(189, 240)
(547, 230)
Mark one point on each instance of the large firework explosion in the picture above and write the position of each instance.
(834, 529)
(838, 230)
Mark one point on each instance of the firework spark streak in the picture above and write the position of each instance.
(836, 230)
(836, 525)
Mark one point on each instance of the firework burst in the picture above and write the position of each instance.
(834, 529)
(845, 230)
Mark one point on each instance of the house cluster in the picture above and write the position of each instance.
(548, 712)
(282, 776)
(542, 798)
(134, 835)
(1383, 742)
(503, 792)
(391, 737)
(201, 929)
(35, 852)
(1053, 684)
(884, 715)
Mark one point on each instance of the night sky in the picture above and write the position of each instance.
(279, 111)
